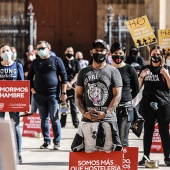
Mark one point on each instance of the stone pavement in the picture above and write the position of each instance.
(49, 159)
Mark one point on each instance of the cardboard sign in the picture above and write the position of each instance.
(130, 158)
(164, 39)
(32, 126)
(8, 158)
(141, 31)
(95, 160)
(14, 95)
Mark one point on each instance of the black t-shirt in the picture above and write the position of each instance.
(72, 68)
(155, 86)
(130, 83)
(129, 60)
(98, 85)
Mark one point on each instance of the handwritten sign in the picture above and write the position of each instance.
(164, 39)
(141, 31)
(95, 160)
(14, 95)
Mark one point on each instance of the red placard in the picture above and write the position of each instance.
(14, 95)
(95, 160)
(32, 126)
(156, 141)
(130, 158)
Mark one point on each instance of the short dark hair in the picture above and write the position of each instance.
(45, 42)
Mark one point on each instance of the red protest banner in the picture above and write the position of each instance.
(130, 158)
(14, 95)
(95, 160)
(156, 141)
(32, 126)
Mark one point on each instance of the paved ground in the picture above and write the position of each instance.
(37, 159)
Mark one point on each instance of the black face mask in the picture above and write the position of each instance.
(99, 58)
(118, 58)
(69, 55)
(155, 59)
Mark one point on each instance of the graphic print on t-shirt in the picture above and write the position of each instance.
(8, 73)
(97, 93)
(152, 77)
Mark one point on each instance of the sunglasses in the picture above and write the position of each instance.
(41, 48)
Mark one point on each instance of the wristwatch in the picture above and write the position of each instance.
(63, 93)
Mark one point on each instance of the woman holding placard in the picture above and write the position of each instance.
(155, 102)
(11, 70)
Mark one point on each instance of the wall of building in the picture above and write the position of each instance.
(65, 23)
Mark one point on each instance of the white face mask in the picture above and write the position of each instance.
(14, 56)
(32, 57)
(168, 63)
(7, 55)
(42, 53)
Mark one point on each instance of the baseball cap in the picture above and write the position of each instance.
(99, 41)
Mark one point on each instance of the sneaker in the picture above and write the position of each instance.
(167, 161)
(45, 145)
(142, 162)
(76, 126)
(19, 160)
(118, 148)
(57, 146)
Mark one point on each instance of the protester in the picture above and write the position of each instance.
(155, 102)
(11, 70)
(30, 49)
(31, 56)
(43, 75)
(167, 58)
(14, 55)
(72, 68)
(98, 92)
(133, 58)
(51, 52)
(83, 63)
(130, 89)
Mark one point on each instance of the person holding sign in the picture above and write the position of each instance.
(11, 70)
(130, 90)
(155, 102)
(44, 75)
(98, 93)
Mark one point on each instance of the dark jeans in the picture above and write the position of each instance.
(15, 117)
(73, 110)
(150, 117)
(124, 119)
(48, 108)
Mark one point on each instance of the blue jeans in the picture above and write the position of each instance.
(15, 117)
(48, 108)
(33, 105)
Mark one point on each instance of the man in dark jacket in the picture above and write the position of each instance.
(44, 75)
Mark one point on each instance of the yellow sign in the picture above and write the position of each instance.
(164, 39)
(141, 31)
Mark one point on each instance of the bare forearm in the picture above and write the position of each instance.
(113, 104)
(80, 104)
(64, 87)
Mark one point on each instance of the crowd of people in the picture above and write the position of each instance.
(102, 89)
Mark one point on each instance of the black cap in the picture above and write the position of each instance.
(99, 41)
(116, 46)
